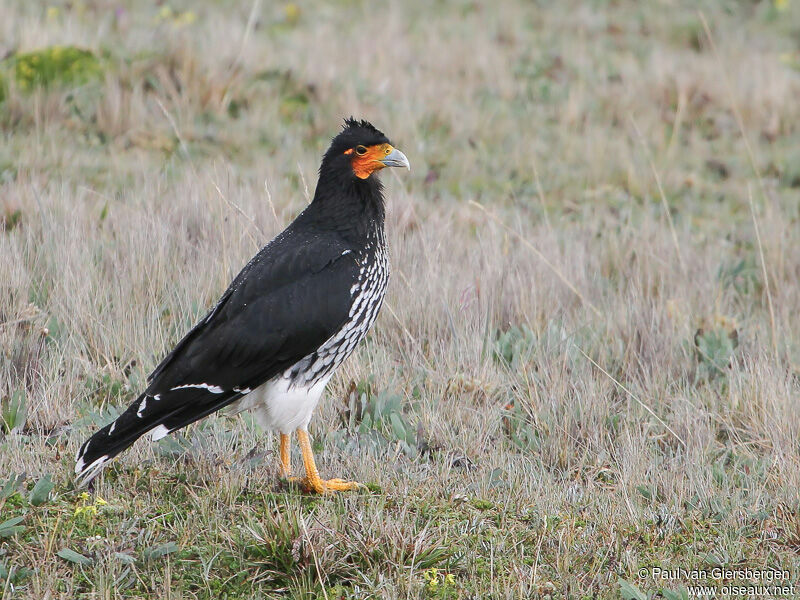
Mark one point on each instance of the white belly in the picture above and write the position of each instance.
(282, 407)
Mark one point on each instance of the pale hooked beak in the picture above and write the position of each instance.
(396, 159)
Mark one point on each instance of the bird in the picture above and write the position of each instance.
(286, 322)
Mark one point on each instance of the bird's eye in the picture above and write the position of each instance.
(361, 150)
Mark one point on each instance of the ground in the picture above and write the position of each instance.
(587, 365)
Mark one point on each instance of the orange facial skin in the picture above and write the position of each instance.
(368, 161)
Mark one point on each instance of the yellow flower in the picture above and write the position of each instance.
(52, 13)
(90, 509)
(186, 18)
(292, 12)
(781, 5)
(432, 577)
(79, 510)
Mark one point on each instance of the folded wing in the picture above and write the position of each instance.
(285, 303)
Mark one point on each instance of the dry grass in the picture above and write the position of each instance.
(614, 437)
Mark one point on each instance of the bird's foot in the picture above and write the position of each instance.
(312, 482)
(318, 485)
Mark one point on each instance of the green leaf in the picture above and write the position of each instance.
(54, 329)
(124, 558)
(681, 594)
(159, 551)
(513, 345)
(10, 486)
(74, 557)
(713, 559)
(13, 575)
(397, 426)
(498, 478)
(646, 493)
(11, 527)
(41, 491)
(630, 592)
(13, 412)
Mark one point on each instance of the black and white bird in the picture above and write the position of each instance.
(293, 314)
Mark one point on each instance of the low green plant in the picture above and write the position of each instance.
(629, 591)
(96, 417)
(519, 429)
(13, 412)
(41, 491)
(379, 419)
(77, 558)
(742, 275)
(13, 575)
(715, 348)
(439, 584)
(54, 65)
(513, 346)
(11, 527)
(11, 485)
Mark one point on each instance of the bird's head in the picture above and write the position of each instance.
(361, 149)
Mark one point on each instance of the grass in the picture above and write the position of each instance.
(588, 360)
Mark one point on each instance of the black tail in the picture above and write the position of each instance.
(111, 440)
(147, 413)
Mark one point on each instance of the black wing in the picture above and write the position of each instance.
(290, 298)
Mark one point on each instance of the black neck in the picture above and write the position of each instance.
(351, 206)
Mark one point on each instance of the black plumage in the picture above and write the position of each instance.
(292, 315)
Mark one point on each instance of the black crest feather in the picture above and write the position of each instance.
(353, 123)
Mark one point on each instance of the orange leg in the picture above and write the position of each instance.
(286, 455)
(312, 481)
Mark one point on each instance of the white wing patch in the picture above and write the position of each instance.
(214, 389)
(158, 433)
